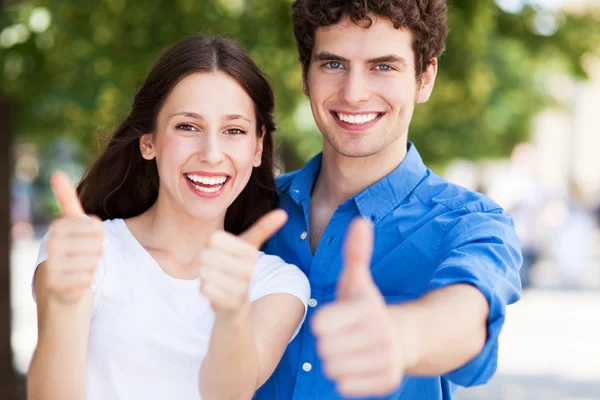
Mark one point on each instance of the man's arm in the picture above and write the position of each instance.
(367, 346)
(441, 331)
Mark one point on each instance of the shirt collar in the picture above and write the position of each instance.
(378, 199)
(302, 183)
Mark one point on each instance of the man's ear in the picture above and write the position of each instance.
(147, 146)
(259, 147)
(427, 81)
(305, 84)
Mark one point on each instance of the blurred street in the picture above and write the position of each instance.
(549, 349)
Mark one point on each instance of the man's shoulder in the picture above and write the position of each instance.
(436, 190)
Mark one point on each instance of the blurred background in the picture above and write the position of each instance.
(515, 114)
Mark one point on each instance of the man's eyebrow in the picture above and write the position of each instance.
(327, 56)
(390, 58)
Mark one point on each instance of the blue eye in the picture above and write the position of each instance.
(334, 65)
(384, 67)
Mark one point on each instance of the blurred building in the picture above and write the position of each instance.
(568, 138)
(551, 185)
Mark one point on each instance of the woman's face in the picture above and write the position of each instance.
(205, 144)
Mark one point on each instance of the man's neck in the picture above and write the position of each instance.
(341, 178)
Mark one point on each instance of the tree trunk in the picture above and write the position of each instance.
(11, 386)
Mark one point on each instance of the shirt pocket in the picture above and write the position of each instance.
(404, 271)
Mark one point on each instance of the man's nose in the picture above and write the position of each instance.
(356, 88)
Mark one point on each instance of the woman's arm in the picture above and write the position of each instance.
(57, 369)
(247, 347)
(248, 339)
(275, 319)
(64, 299)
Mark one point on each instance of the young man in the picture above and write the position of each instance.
(418, 312)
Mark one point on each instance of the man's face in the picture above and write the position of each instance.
(363, 88)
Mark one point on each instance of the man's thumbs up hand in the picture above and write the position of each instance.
(74, 245)
(356, 281)
(227, 262)
(356, 336)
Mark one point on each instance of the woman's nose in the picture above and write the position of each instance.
(210, 151)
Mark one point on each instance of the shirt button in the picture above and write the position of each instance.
(303, 235)
(306, 367)
(312, 303)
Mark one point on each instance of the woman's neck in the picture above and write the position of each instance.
(166, 227)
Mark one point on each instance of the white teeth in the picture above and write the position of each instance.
(207, 180)
(208, 190)
(357, 119)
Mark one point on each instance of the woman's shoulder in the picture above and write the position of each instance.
(113, 225)
(268, 266)
(116, 236)
(273, 275)
(269, 261)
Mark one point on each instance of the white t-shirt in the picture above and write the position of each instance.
(149, 331)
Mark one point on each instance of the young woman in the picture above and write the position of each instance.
(162, 293)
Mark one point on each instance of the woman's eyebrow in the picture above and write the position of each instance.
(188, 114)
(228, 117)
(231, 117)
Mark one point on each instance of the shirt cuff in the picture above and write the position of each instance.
(499, 291)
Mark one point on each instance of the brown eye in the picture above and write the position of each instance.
(185, 127)
(235, 131)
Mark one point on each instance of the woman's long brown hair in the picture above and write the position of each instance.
(122, 184)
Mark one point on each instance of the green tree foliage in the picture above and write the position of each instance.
(80, 73)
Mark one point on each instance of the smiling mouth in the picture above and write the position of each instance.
(208, 184)
(357, 119)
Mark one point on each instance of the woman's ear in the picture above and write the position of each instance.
(259, 147)
(147, 146)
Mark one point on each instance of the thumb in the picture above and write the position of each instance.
(65, 195)
(358, 249)
(264, 228)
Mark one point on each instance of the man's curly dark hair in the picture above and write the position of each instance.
(426, 19)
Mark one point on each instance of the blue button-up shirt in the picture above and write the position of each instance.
(429, 233)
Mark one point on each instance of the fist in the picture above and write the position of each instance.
(356, 335)
(227, 263)
(74, 245)
(358, 343)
